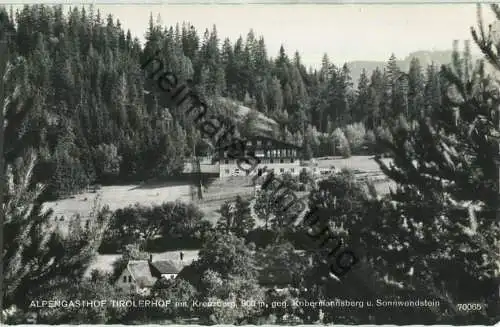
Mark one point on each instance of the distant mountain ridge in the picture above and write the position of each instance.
(426, 58)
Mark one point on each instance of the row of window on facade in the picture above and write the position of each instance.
(280, 153)
(264, 161)
(276, 153)
(129, 279)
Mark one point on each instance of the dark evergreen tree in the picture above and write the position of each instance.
(416, 89)
(37, 257)
(445, 167)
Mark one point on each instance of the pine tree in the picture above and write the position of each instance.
(225, 222)
(376, 89)
(244, 221)
(264, 207)
(37, 257)
(361, 106)
(275, 101)
(432, 90)
(416, 89)
(443, 211)
(236, 217)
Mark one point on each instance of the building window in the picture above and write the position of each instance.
(259, 143)
(271, 161)
(226, 161)
(292, 170)
(226, 171)
(130, 279)
(282, 161)
(124, 279)
(282, 170)
(292, 160)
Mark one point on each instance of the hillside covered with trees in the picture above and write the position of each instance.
(104, 122)
(79, 110)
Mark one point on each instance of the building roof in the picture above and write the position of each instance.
(271, 142)
(141, 272)
(166, 267)
(256, 143)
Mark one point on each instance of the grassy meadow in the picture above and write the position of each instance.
(215, 195)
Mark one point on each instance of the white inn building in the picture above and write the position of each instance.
(276, 155)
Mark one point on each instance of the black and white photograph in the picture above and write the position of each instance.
(249, 164)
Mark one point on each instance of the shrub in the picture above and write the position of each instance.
(382, 133)
(355, 135)
(168, 226)
(341, 143)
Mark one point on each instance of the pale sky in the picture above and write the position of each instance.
(345, 32)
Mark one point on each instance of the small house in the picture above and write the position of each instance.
(139, 276)
(164, 269)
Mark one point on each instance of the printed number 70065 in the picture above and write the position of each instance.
(469, 306)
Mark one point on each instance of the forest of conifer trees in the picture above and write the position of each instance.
(79, 111)
(102, 122)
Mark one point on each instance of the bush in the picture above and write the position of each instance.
(382, 133)
(261, 237)
(355, 135)
(341, 143)
(169, 226)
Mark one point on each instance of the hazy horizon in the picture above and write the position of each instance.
(345, 32)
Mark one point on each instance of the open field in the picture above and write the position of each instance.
(214, 196)
(221, 191)
(363, 163)
(117, 197)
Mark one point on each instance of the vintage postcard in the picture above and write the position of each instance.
(250, 164)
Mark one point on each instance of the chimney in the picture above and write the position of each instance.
(150, 257)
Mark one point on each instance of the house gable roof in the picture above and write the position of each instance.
(141, 273)
(271, 142)
(165, 267)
